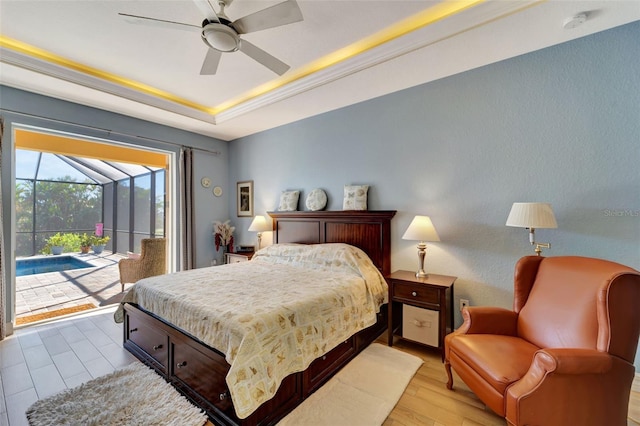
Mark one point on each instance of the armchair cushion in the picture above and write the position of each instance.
(494, 361)
(486, 354)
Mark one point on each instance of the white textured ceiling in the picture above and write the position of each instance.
(91, 33)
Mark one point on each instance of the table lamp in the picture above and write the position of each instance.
(260, 225)
(421, 229)
(532, 216)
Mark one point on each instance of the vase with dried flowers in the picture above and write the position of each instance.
(223, 235)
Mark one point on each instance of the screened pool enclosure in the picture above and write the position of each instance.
(67, 194)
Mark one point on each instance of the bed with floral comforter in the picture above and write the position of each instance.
(271, 316)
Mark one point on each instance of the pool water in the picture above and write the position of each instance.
(49, 264)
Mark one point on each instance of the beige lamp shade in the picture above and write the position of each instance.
(531, 215)
(260, 224)
(421, 229)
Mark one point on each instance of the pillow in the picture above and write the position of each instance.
(131, 255)
(289, 201)
(355, 197)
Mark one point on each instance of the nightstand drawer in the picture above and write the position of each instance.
(415, 293)
(237, 257)
(420, 325)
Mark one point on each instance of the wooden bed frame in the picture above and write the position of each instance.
(198, 371)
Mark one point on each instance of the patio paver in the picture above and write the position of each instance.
(52, 291)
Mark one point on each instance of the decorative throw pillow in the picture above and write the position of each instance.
(134, 256)
(289, 201)
(355, 197)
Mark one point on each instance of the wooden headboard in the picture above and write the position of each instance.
(369, 230)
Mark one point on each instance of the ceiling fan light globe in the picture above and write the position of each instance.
(220, 37)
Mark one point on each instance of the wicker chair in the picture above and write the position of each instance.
(152, 262)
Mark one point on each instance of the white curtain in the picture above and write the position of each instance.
(186, 197)
(3, 290)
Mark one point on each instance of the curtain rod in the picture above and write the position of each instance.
(109, 132)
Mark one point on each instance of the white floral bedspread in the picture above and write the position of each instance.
(271, 316)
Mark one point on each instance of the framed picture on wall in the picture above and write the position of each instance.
(245, 198)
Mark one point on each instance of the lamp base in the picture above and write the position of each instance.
(421, 252)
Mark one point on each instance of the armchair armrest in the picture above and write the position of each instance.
(488, 320)
(557, 378)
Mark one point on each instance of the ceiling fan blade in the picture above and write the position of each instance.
(207, 10)
(283, 13)
(259, 55)
(211, 61)
(154, 22)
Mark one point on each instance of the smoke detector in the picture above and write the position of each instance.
(574, 21)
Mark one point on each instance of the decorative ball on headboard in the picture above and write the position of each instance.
(316, 200)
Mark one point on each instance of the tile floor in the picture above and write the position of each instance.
(41, 360)
(56, 290)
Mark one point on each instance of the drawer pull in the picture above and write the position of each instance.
(419, 323)
(414, 293)
(324, 357)
(156, 347)
(223, 396)
(133, 330)
(181, 364)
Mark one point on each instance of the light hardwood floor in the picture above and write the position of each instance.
(427, 401)
(39, 361)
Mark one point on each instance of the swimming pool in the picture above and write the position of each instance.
(49, 264)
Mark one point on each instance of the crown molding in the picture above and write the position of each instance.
(428, 35)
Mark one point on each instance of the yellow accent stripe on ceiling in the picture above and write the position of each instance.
(65, 145)
(419, 20)
(43, 55)
(424, 18)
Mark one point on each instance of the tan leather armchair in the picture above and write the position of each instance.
(152, 262)
(564, 355)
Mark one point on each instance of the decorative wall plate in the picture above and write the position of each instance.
(205, 182)
(217, 191)
(316, 200)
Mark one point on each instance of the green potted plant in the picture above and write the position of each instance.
(55, 243)
(85, 243)
(98, 243)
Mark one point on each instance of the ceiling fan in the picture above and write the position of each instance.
(221, 35)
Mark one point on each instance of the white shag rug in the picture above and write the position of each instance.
(363, 393)
(133, 395)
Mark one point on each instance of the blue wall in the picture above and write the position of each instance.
(560, 125)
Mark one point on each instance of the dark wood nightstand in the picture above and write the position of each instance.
(238, 257)
(420, 309)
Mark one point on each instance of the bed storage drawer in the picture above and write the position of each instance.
(153, 342)
(324, 366)
(199, 371)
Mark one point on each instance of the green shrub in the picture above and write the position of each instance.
(69, 241)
